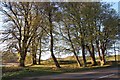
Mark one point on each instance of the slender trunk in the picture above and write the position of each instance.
(74, 51)
(83, 54)
(103, 48)
(76, 56)
(91, 55)
(103, 57)
(52, 54)
(39, 60)
(34, 50)
(78, 61)
(115, 53)
(34, 59)
(98, 49)
(98, 45)
(51, 41)
(89, 52)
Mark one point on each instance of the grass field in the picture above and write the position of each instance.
(47, 68)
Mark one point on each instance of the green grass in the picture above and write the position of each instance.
(40, 71)
(48, 68)
(28, 72)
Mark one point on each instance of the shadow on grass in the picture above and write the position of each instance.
(63, 62)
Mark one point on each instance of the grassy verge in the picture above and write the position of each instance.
(27, 72)
(17, 73)
(47, 68)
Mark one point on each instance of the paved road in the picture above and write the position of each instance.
(99, 74)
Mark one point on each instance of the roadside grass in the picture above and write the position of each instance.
(48, 68)
(28, 72)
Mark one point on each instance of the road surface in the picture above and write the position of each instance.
(98, 74)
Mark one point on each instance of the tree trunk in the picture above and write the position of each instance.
(52, 54)
(98, 49)
(74, 51)
(77, 58)
(103, 48)
(34, 59)
(83, 54)
(115, 53)
(39, 60)
(22, 62)
(51, 42)
(34, 51)
(22, 58)
(92, 56)
(103, 57)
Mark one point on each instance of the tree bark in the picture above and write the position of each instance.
(83, 54)
(51, 42)
(34, 51)
(98, 49)
(76, 56)
(22, 62)
(92, 55)
(51, 50)
(39, 60)
(74, 51)
(115, 53)
(103, 57)
(34, 59)
(22, 58)
(103, 49)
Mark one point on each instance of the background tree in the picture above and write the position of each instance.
(50, 13)
(23, 24)
(74, 19)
